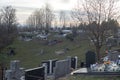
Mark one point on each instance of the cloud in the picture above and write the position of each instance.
(65, 1)
(25, 7)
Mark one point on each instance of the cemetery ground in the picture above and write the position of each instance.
(30, 56)
(90, 78)
(29, 53)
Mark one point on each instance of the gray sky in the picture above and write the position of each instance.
(26, 7)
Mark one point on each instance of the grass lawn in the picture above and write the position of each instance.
(29, 52)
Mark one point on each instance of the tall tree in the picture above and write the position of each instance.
(8, 31)
(8, 26)
(9, 17)
(63, 18)
(94, 12)
(42, 18)
(49, 15)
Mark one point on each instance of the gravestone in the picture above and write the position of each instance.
(50, 65)
(74, 62)
(15, 72)
(53, 65)
(90, 58)
(82, 64)
(62, 68)
(35, 74)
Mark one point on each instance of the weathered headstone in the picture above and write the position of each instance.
(15, 65)
(15, 72)
(62, 68)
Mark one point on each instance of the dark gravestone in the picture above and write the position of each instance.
(35, 74)
(90, 58)
(53, 64)
(48, 66)
(82, 64)
(73, 62)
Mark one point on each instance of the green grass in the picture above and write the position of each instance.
(28, 52)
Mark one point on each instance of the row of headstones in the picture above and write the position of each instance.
(17, 73)
(51, 64)
(58, 68)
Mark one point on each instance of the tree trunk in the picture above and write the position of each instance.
(1, 72)
(98, 53)
(2, 69)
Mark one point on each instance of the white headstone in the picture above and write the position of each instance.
(14, 65)
(8, 75)
(15, 72)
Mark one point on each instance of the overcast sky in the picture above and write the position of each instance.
(26, 7)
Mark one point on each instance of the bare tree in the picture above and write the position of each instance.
(49, 15)
(8, 31)
(37, 19)
(42, 18)
(31, 21)
(62, 18)
(94, 13)
(9, 17)
(8, 27)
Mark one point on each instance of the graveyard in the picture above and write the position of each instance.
(60, 40)
(35, 54)
(37, 50)
(55, 69)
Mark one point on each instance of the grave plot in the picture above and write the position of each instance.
(60, 52)
(15, 72)
(109, 66)
(50, 66)
(55, 68)
(53, 42)
(62, 68)
(35, 74)
(74, 62)
(90, 58)
(26, 36)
